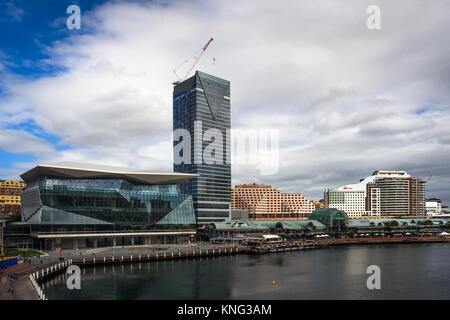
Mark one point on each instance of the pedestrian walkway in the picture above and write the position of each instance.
(16, 289)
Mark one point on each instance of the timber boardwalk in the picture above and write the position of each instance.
(158, 256)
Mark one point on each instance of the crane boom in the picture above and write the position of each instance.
(207, 44)
(196, 59)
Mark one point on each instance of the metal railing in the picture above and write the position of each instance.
(112, 231)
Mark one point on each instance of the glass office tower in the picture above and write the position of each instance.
(201, 106)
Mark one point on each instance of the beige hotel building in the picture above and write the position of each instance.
(264, 202)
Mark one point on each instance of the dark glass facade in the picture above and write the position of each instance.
(205, 99)
(52, 204)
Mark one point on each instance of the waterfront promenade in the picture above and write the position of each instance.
(21, 286)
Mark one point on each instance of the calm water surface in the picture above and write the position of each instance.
(417, 271)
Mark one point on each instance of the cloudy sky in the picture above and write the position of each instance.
(346, 100)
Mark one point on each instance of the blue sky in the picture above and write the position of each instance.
(346, 100)
(26, 28)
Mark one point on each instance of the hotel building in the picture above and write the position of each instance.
(384, 193)
(266, 202)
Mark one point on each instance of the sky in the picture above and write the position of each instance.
(345, 100)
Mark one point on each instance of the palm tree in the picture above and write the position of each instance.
(394, 223)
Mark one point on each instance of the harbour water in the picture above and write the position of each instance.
(412, 271)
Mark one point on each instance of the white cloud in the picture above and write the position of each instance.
(11, 10)
(345, 99)
(23, 142)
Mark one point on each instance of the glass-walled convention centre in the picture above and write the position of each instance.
(71, 205)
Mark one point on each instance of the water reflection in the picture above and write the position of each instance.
(408, 272)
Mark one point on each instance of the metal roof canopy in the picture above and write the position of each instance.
(75, 170)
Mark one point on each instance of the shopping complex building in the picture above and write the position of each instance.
(265, 202)
(74, 205)
(323, 223)
(201, 106)
(384, 193)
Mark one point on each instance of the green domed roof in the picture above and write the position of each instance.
(329, 216)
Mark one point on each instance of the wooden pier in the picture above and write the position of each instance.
(158, 256)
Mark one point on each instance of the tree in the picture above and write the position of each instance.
(311, 226)
(394, 223)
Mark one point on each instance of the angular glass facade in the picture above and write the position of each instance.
(205, 99)
(62, 204)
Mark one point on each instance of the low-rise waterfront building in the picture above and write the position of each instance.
(397, 226)
(329, 221)
(235, 230)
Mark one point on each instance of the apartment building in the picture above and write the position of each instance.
(10, 196)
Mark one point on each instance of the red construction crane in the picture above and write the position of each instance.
(195, 58)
